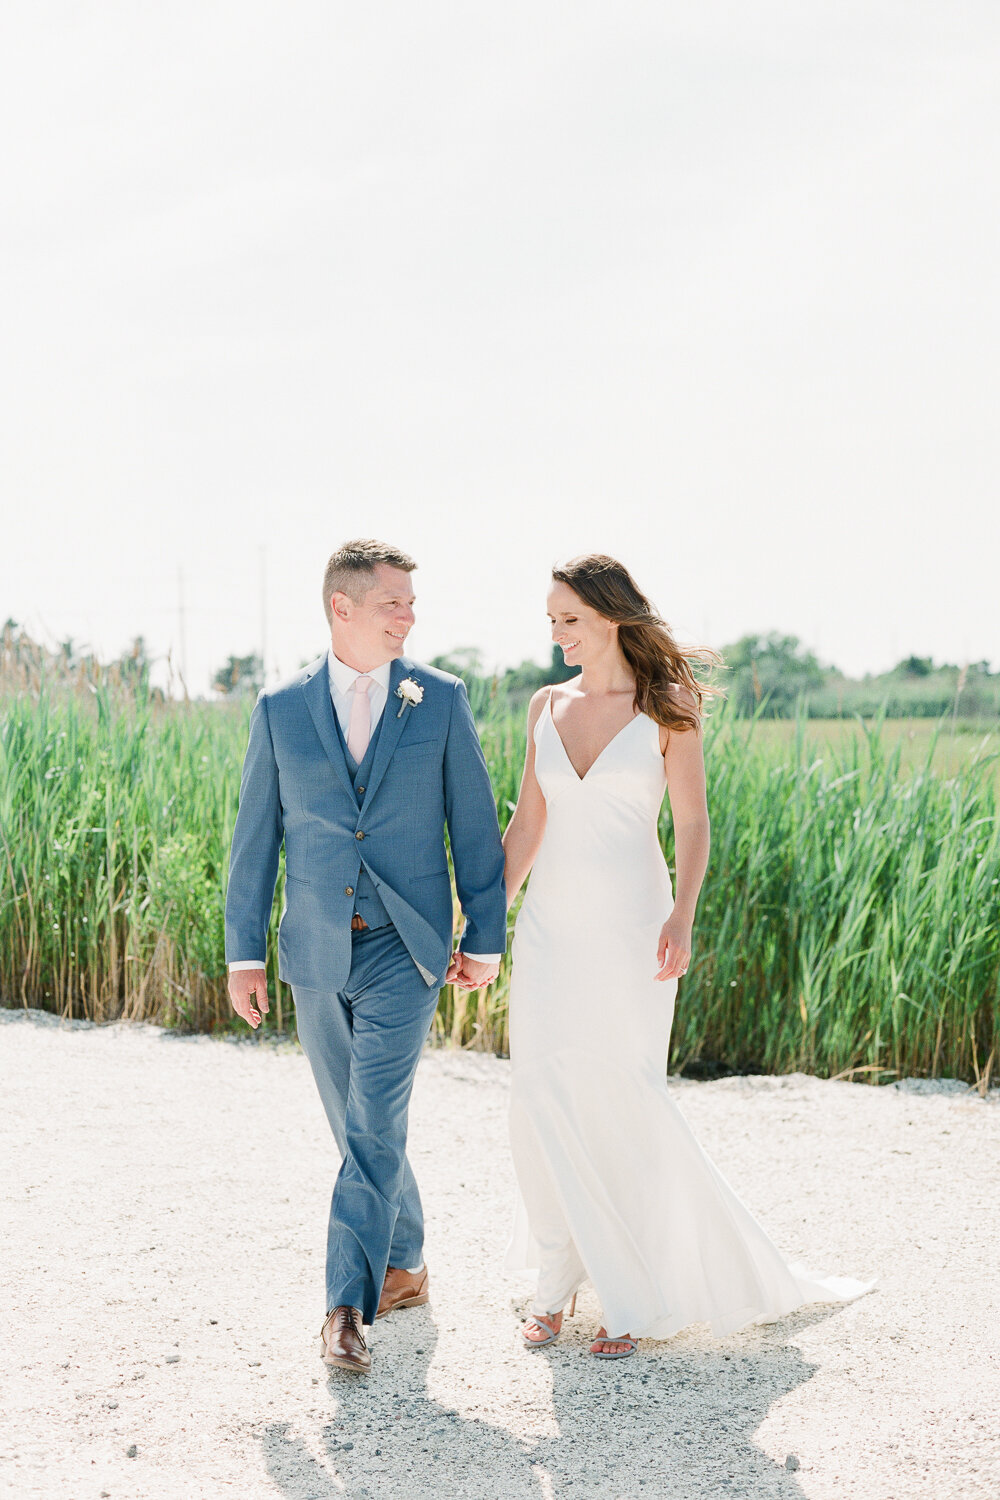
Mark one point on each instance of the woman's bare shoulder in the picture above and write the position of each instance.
(536, 703)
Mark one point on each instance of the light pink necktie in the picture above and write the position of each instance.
(359, 730)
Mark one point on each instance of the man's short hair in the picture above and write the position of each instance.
(351, 569)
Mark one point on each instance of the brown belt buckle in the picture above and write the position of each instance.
(358, 923)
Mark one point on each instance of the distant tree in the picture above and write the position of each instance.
(134, 664)
(558, 670)
(10, 641)
(520, 682)
(773, 670)
(465, 662)
(241, 674)
(915, 666)
(516, 684)
(977, 691)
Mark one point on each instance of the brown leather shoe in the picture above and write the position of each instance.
(343, 1341)
(403, 1289)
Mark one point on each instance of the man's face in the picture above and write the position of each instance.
(374, 630)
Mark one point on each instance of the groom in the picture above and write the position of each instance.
(358, 764)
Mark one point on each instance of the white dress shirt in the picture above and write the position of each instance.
(342, 679)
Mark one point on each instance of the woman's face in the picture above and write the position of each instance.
(582, 633)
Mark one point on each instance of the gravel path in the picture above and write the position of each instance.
(164, 1207)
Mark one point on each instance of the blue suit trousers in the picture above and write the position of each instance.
(363, 1044)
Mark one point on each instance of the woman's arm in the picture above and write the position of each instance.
(684, 759)
(523, 838)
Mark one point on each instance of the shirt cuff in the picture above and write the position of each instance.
(484, 958)
(247, 963)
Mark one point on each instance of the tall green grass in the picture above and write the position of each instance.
(850, 918)
(114, 819)
(849, 922)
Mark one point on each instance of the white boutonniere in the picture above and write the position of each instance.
(410, 692)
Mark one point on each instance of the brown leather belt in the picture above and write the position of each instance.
(358, 923)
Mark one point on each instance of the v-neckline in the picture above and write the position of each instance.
(607, 747)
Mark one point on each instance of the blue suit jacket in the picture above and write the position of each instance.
(428, 771)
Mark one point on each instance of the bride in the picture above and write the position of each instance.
(614, 1188)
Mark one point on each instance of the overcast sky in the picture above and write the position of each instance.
(712, 287)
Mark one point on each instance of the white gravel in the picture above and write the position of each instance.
(165, 1203)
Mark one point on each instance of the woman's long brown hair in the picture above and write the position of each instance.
(647, 644)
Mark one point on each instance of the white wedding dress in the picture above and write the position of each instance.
(614, 1188)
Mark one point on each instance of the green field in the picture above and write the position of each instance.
(849, 923)
(951, 746)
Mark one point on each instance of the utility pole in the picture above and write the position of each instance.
(181, 633)
(263, 616)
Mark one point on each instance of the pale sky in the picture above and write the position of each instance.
(712, 287)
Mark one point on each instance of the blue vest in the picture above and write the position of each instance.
(367, 901)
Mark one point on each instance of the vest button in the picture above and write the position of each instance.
(361, 789)
(359, 834)
(348, 890)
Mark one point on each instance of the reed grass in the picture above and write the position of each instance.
(850, 921)
(849, 924)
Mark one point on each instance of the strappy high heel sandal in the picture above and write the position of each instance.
(545, 1320)
(603, 1337)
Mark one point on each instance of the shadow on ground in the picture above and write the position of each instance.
(677, 1420)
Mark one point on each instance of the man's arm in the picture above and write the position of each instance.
(253, 870)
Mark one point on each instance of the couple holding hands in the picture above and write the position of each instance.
(359, 764)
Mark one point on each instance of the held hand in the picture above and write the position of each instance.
(673, 952)
(244, 986)
(454, 969)
(471, 975)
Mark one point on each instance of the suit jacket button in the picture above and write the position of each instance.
(359, 834)
(360, 788)
(348, 890)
